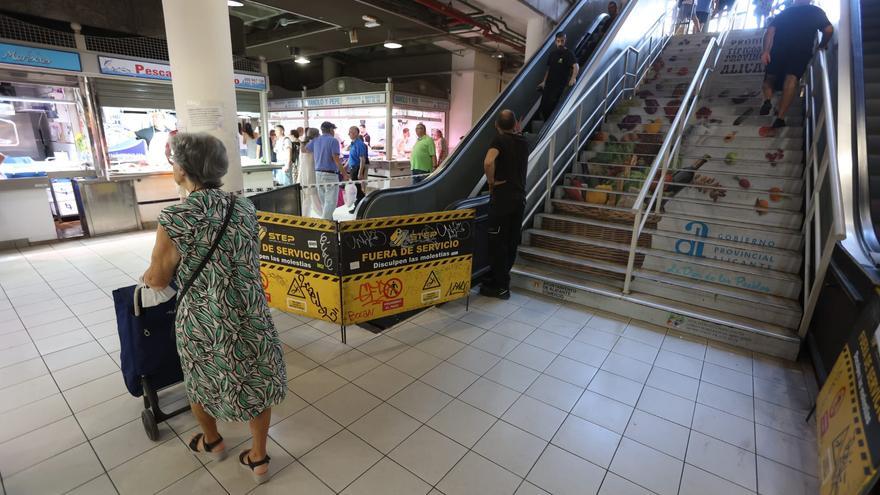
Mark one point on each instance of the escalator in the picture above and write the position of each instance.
(461, 175)
(866, 74)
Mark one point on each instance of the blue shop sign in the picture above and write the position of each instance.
(39, 57)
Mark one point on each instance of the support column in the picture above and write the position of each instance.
(475, 86)
(537, 30)
(266, 149)
(203, 82)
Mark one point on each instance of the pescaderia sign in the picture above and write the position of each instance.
(350, 272)
(142, 69)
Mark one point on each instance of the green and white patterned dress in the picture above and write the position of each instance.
(232, 359)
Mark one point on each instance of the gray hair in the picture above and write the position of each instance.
(310, 133)
(202, 156)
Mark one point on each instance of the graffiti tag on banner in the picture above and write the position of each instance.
(847, 422)
(299, 259)
(396, 264)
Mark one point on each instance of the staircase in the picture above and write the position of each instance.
(722, 256)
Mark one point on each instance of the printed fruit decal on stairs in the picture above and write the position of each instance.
(775, 194)
(762, 206)
(730, 158)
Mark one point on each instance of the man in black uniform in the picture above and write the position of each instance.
(562, 71)
(788, 48)
(505, 167)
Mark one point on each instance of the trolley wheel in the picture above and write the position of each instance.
(150, 425)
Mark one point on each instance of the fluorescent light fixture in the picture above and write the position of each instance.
(370, 21)
(302, 60)
(390, 43)
(234, 3)
(499, 55)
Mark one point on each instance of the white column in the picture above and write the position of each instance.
(536, 32)
(475, 83)
(200, 52)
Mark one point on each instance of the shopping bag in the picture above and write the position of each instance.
(147, 340)
(350, 194)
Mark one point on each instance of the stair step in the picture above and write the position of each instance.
(734, 141)
(683, 242)
(675, 315)
(740, 167)
(731, 179)
(771, 158)
(780, 311)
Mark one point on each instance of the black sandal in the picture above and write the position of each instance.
(209, 447)
(248, 464)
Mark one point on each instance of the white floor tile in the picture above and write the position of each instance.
(85, 372)
(315, 384)
(14, 339)
(341, 460)
(496, 344)
(95, 392)
(729, 357)
(530, 316)
(585, 353)
(22, 372)
(297, 364)
(348, 404)
(27, 392)
(389, 478)
(531, 356)
(475, 360)
(778, 479)
(603, 411)
(414, 362)
(324, 349)
(615, 485)
(535, 417)
(679, 363)
(155, 469)
(440, 346)
(695, 481)
(384, 428)
(561, 327)
(780, 394)
(352, 364)
(512, 375)
(450, 378)
(647, 467)
(420, 401)
(563, 473)
(384, 381)
(464, 332)
(687, 345)
(636, 350)
(658, 433)
(428, 454)
(645, 333)
(18, 354)
(547, 340)
(32, 416)
(482, 319)
(727, 378)
(779, 371)
(101, 486)
(608, 323)
(462, 422)
(725, 426)
(723, 459)
(105, 416)
(73, 355)
(674, 383)
(627, 367)
(510, 447)
(726, 400)
(529, 489)
(304, 431)
(69, 469)
(616, 387)
(555, 392)
(35, 447)
(490, 397)
(199, 482)
(667, 406)
(475, 474)
(597, 338)
(571, 371)
(128, 441)
(295, 479)
(587, 440)
(784, 419)
(794, 452)
(409, 333)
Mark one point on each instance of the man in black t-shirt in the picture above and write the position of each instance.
(505, 167)
(788, 48)
(562, 71)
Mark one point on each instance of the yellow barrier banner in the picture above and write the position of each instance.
(299, 265)
(395, 264)
(847, 422)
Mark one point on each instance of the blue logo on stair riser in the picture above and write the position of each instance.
(740, 281)
(693, 248)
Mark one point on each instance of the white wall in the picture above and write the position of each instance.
(474, 86)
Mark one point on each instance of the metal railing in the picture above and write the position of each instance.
(559, 160)
(668, 152)
(824, 224)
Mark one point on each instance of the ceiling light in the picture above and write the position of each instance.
(234, 3)
(297, 56)
(498, 55)
(370, 21)
(353, 36)
(391, 44)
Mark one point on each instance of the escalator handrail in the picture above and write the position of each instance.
(494, 108)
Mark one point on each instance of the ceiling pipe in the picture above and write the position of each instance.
(453, 13)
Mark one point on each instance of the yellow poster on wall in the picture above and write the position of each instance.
(299, 263)
(396, 264)
(847, 422)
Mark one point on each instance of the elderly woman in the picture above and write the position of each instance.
(232, 359)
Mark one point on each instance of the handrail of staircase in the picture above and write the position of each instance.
(820, 172)
(604, 105)
(670, 146)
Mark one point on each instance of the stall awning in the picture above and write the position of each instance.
(138, 94)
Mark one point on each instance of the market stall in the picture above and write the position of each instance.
(388, 116)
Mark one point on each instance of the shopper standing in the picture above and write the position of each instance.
(402, 145)
(231, 356)
(294, 154)
(328, 168)
(561, 74)
(788, 48)
(701, 12)
(311, 204)
(283, 148)
(505, 167)
(357, 162)
(440, 146)
(423, 159)
(365, 135)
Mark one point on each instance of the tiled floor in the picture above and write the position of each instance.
(526, 396)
